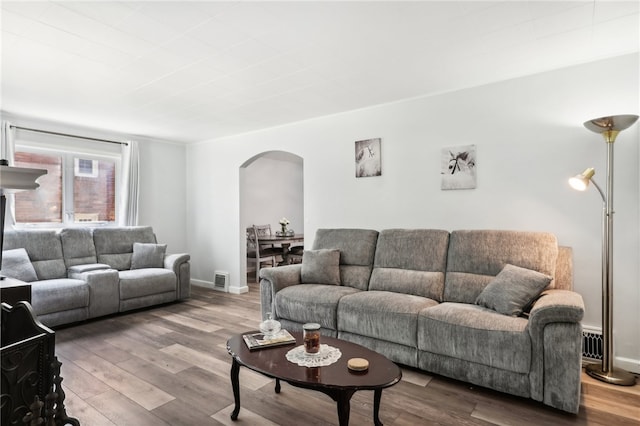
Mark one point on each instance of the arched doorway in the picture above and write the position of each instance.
(271, 187)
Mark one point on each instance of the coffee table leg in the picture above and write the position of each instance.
(377, 395)
(235, 384)
(343, 399)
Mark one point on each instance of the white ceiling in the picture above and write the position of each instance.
(191, 71)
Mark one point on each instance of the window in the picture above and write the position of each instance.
(85, 167)
(79, 187)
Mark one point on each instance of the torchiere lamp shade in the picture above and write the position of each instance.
(14, 179)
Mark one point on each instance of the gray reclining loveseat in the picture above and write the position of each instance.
(493, 308)
(82, 273)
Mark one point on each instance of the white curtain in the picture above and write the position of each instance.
(7, 152)
(129, 188)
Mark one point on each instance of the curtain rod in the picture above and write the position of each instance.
(67, 135)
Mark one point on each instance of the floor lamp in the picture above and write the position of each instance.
(14, 179)
(609, 127)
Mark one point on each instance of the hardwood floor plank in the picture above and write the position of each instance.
(179, 412)
(81, 409)
(187, 321)
(81, 382)
(150, 354)
(122, 411)
(143, 393)
(194, 387)
(416, 377)
(222, 368)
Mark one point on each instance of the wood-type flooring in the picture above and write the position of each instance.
(168, 365)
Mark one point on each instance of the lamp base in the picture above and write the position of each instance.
(615, 377)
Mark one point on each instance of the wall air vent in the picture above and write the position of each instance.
(221, 281)
(592, 345)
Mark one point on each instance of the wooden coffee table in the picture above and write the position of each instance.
(335, 380)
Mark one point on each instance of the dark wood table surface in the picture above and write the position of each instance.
(334, 380)
(284, 242)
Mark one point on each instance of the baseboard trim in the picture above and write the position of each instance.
(209, 284)
(202, 283)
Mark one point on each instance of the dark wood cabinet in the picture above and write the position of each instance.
(13, 291)
(31, 391)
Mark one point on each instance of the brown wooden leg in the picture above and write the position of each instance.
(343, 398)
(377, 395)
(235, 384)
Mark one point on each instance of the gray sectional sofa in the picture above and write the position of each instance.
(82, 273)
(493, 308)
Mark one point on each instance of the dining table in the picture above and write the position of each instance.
(283, 241)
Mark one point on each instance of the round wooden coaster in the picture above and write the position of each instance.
(358, 364)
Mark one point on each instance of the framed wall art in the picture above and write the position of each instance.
(458, 167)
(368, 158)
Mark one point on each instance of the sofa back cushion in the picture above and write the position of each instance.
(16, 264)
(114, 246)
(411, 261)
(44, 249)
(475, 257)
(357, 250)
(77, 246)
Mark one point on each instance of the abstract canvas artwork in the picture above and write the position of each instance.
(458, 167)
(368, 158)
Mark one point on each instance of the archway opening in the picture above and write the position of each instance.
(271, 187)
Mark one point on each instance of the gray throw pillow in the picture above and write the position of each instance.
(148, 255)
(512, 290)
(320, 267)
(16, 264)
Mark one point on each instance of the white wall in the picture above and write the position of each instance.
(529, 137)
(162, 179)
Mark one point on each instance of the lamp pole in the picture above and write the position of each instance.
(609, 127)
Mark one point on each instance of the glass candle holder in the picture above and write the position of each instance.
(311, 338)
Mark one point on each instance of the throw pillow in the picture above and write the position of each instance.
(148, 255)
(320, 267)
(16, 264)
(513, 289)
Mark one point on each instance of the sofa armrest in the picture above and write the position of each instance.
(556, 338)
(555, 306)
(104, 290)
(179, 264)
(272, 281)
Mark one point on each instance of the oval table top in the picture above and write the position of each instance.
(272, 362)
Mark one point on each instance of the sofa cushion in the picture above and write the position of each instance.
(144, 282)
(146, 255)
(475, 334)
(411, 261)
(320, 267)
(64, 294)
(382, 315)
(114, 246)
(475, 257)
(311, 303)
(16, 264)
(357, 249)
(44, 249)
(77, 246)
(512, 290)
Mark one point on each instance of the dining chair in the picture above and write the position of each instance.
(295, 254)
(258, 254)
(264, 231)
